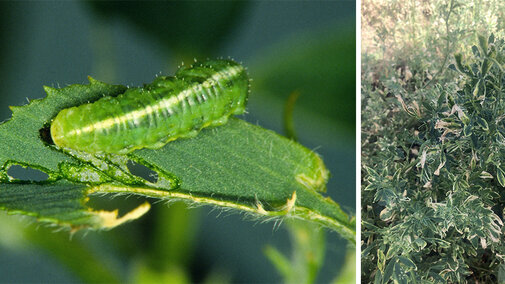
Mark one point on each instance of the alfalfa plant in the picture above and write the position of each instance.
(434, 175)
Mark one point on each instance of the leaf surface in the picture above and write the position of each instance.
(239, 166)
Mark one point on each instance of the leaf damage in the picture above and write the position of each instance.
(236, 166)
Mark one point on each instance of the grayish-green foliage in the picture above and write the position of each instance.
(433, 177)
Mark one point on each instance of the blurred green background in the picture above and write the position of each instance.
(307, 47)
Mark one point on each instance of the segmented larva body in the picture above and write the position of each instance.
(202, 95)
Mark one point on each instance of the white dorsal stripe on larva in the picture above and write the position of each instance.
(166, 103)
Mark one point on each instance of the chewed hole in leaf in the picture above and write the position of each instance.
(26, 173)
(115, 210)
(111, 202)
(142, 171)
(45, 135)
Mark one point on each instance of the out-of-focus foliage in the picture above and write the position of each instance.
(188, 28)
(432, 144)
(414, 39)
(308, 243)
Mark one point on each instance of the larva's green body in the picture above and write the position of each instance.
(202, 95)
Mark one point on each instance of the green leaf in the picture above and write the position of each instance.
(407, 262)
(20, 137)
(459, 58)
(500, 174)
(245, 167)
(486, 65)
(388, 272)
(475, 50)
(238, 166)
(289, 127)
(60, 202)
(482, 123)
(381, 260)
(56, 201)
(477, 88)
(420, 243)
(483, 43)
(463, 68)
(378, 277)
